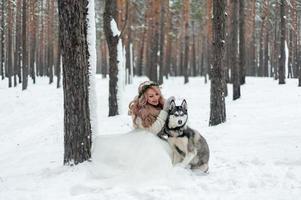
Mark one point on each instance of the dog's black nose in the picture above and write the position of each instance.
(180, 122)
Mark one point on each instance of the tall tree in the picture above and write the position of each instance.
(33, 25)
(24, 45)
(217, 99)
(299, 50)
(9, 42)
(162, 40)
(18, 46)
(58, 62)
(41, 58)
(242, 47)
(263, 33)
(209, 40)
(235, 68)
(154, 40)
(110, 17)
(168, 37)
(253, 63)
(193, 52)
(77, 126)
(186, 11)
(2, 40)
(50, 19)
(282, 57)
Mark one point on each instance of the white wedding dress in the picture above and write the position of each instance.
(137, 154)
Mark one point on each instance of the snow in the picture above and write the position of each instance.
(120, 76)
(93, 62)
(286, 57)
(254, 155)
(114, 28)
(121, 68)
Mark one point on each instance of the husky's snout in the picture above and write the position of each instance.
(180, 122)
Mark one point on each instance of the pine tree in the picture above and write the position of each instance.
(281, 69)
(74, 48)
(110, 13)
(235, 67)
(217, 99)
(24, 45)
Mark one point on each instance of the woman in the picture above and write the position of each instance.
(149, 109)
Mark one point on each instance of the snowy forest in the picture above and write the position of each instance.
(181, 31)
(72, 69)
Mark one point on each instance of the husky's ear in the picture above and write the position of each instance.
(184, 104)
(172, 105)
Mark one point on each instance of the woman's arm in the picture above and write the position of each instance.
(157, 126)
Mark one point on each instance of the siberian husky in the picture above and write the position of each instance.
(190, 149)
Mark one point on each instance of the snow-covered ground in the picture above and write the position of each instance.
(256, 154)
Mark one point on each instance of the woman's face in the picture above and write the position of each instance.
(153, 96)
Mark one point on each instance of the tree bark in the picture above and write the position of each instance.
(77, 126)
(281, 69)
(242, 47)
(50, 39)
(18, 47)
(9, 43)
(154, 40)
(24, 45)
(162, 39)
(235, 67)
(2, 41)
(217, 99)
(33, 25)
(186, 33)
(193, 52)
(58, 61)
(110, 13)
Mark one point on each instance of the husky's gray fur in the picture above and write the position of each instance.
(189, 146)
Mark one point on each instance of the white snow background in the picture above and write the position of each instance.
(256, 154)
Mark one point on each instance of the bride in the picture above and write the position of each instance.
(139, 151)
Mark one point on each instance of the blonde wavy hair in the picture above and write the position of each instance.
(146, 112)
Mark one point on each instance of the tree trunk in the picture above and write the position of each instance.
(266, 55)
(104, 63)
(41, 63)
(235, 67)
(186, 33)
(9, 43)
(253, 47)
(18, 47)
(2, 41)
(33, 23)
(281, 69)
(110, 13)
(141, 53)
(242, 48)
(77, 127)
(162, 39)
(24, 45)
(291, 54)
(154, 40)
(276, 42)
(193, 56)
(58, 61)
(295, 38)
(217, 99)
(168, 37)
(128, 42)
(50, 39)
(299, 50)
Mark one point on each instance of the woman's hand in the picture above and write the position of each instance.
(167, 103)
